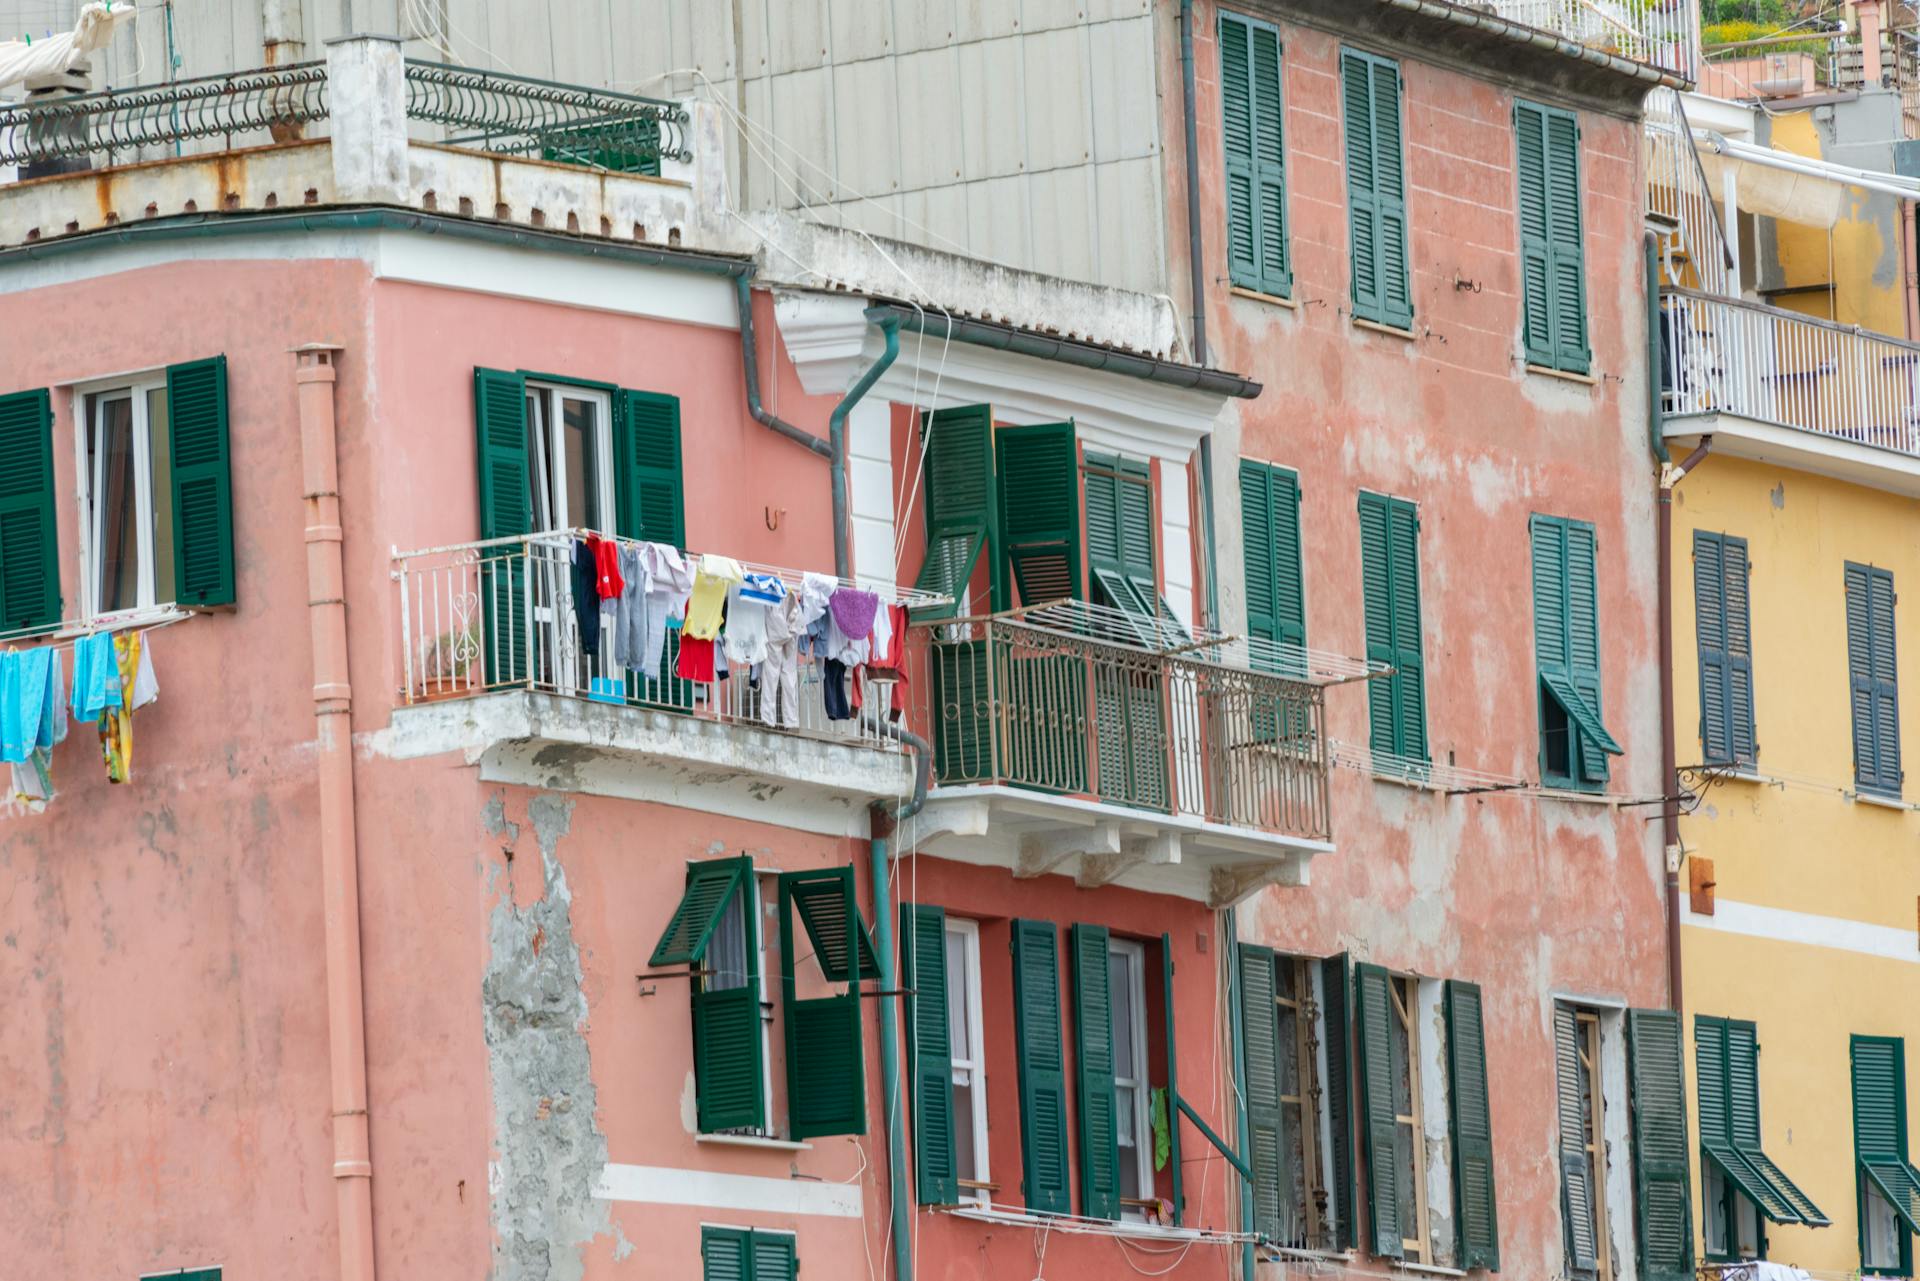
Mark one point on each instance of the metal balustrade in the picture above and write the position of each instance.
(1722, 356)
(1659, 33)
(1093, 715)
(1693, 246)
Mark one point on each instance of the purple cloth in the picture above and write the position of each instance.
(853, 612)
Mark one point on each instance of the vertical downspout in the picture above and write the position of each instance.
(339, 852)
(1243, 1136)
(837, 435)
(1197, 286)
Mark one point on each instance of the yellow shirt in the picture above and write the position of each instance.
(717, 574)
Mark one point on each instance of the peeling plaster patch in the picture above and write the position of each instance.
(548, 1148)
(1779, 496)
(689, 1107)
(1493, 489)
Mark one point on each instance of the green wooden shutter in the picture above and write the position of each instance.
(962, 511)
(711, 886)
(923, 970)
(1336, 1010)
(1576, 1170)
(650, 498)
(1173, 1081)
(726, 1254)
(1042, 1072)
(1536, 253)
(729, 1062)
(1093, 1060)
(1270, 516)
(1583, 646)
(1880, 1125)
(1739, 648)
(1781, 1199)
(1724, 629)
(821, 898)
(506, 511)
(1569, 269)
(202, 482)
(1390, 590)
(1260, 1018)
(1662, 1183)
(29, 544)
(1873, 676)
(774, 1256)
(1376, 188)
(1253, 131)
(1566, 630)
(1373, 1014)
(1039, 483)
(1477, 1217)
(826, 1068)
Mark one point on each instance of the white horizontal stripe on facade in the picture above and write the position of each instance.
(710, 1190)
(1787, 926)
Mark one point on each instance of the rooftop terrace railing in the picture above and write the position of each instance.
(1659, 33)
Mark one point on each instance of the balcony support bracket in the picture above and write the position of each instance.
(1159, 849)
(1232, 883)
(1044, 852)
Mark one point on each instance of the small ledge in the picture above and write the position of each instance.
(1241, 291)
(1412, 782)
(1884, 802)
(1547, 371)
(1426, 1269)
(1310, 1256)
(1074, 1224)
(753, 1141)
(1374, 326)
(1572, 797)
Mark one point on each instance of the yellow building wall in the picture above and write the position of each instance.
(1793, 842)
(1858, 246)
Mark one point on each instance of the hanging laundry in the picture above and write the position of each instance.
(33, 780)
(748, 603)
(815, 591)
(96, 677)
(24, 687)
(850, 638)
(834, 691)
(669, 583)
(586, 597)
(116, 726)
(630, 611)
(609, 583)
(696, 661)
(780, 673)
(889, 659)
(717, 574)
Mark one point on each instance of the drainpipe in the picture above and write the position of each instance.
(1670, 475)
(339, 853)
(750, 367)
(1230, 956)
(1197, 286)
(837, 433)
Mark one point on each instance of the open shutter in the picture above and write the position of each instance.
(1536, 271)
(1356, 97)
(1710, 626)
(1093, 1059)
(820, 897)
(1880, 1124)
(710, 888)
(1662, 1185)
(962, 511)
(1784, 1202)
(1576, 1171)
(923, 970)
(202, 482)
(1336, 1010)
(1569, 274)
(729, 1063)
(1259, 1017)
(1583, 648)
(649, 502)
(1477, 1219)
(500, 426)
(726, 1254)
(1042, 1072)
(1039, 482)
(826, 1070)
(1173, 1081)
(774, 1256)
(29, 546)
(1373, 1013)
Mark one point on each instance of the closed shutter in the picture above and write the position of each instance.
(1336, 1010)
(1260, 1019)
(1566, 630)
(202, 482)
(1376, 189)
(1253, 120)
(962, 513)
(1373, 1015)
(650, 497)
(1042, 1072)
(1536, 253)
(500, 425)
(29, 546)
(726, 1254)
(826, 1069)
(1553, 255)
(1270, 522)
(923, 971)
(1093, 1059)
(1739, 649)
(1662, 1183)
(1723, 625)
(1873, 678)
(774, 1257)
(1474, 1201)
(1390, 590)
(1880, 1124)
(1039, 476)
(1173, 1081)
(1576, 1169)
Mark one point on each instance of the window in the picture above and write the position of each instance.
(1409, 1132)
(1041, 1069)
(820, 1001)
(1744, 1185)
(968, 1057)
(1121, 541)
(1656, 1080)
(1270, 524)
(1370, 89)
(1390, 586)
(1574, 742)
(1552, 253)
(1126, 983)
(29, 549)
(1582, 1133)
(1252, 111)
(569, 457)
(747, 1254)
(715, 931)
(1722, 623)
(962, 507)
(1888, 1187)
(1873, 680)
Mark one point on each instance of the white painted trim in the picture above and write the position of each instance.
(753, 1140)
(982, 1172)
(1783, 925)
(711, 1190)
(1809, 451)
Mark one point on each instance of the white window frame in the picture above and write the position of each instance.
(135, 387)
(1136, 952)
(548, 397)
(972, 1071)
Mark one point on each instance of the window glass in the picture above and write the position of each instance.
(115, 517)
(958, 983)
(1556, 729)
(727, 950)
(1716, 1202)
(540, 474)
(160, 461)
(1882, 1232)
(969, 1074)
(1297, 1129)
(583, 472)
(1129, 1077)
(1405, 1133)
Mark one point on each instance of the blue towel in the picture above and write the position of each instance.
(27, 720)
(96, 677)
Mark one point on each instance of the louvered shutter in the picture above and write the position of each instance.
(826, 1069)
(29, 545)
(506, 511)
(1873, 677)
(1356, 98)
(1093, 1062)
(1336, 1010)
(1536, 271)
(1041, 1070)
(1039, 482)
(923, 970)
(1566, 629)
(1475, 1205)
(1172, 1041)
(1576, 1169)
(1710, 626)
(1253, 133)
(1739, 640)
(821, 898)
(726, 1254)
(1260, 1047)
(1886, 688)
(729, 1068)
(962, 511)
(1270, 513)
(1373, 1012)
(1390, 590)
(650, 497)
(1880, 1124)
(1662, 1183)
(1779, 1197)
(711, 886)
(1376, 188)
(1390, 198)
(774, 1257)
(1569, 274)
(202, 482)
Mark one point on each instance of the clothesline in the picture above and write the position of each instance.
(62, 635)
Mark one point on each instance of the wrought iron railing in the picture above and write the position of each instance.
(1007, 702)
(485, 617)
(493, 111)
(1659, 33)
(1693, 245)
(1724, 356)
(242, 109)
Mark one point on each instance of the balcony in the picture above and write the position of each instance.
(1076, 740)
(1658, 33)
(492, 664)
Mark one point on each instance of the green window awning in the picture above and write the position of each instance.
(710, 887)
(1727, 1055)
(821, 899)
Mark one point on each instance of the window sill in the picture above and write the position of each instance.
(1884, 802)
(1298, 1255)
(1241, 291)
(1564, 375)
(1075, 1224)
(753, 1141)
(1425, 1269)
(1411, 780)
(126, 621)
(1573, 796)
(1374, 326)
